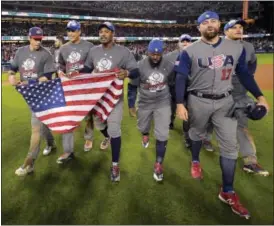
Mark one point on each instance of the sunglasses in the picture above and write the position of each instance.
(70, 30)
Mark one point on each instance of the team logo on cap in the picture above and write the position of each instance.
(74, 57)
(39, 32)
(104, 64)
(207, 16)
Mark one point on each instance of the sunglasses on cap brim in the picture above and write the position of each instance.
(71, 30)
(183, 40)
(37, 38)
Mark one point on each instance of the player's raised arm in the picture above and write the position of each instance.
(248, 80)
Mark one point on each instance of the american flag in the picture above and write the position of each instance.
(62, 104)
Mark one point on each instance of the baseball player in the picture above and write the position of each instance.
(208, 65)
(154, 101)
(184, 41)
(35, 64)
(132, 91)
(234, 31)
(104, 57)
(71, 61)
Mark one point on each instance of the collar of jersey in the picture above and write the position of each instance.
(214, 45)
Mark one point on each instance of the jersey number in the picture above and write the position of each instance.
(226, 73)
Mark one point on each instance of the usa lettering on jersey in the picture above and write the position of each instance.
(216, 62)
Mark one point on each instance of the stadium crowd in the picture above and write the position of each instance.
(139, 48)
(148, 10)
(21, 29)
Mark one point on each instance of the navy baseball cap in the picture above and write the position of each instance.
(156, 46)
(231, 23)
(255, 112)
(73, 25)
(36, 32)
(207, 15)
(108, 25)
(185, 37)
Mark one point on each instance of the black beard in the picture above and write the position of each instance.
(154, 64)
(210, 35)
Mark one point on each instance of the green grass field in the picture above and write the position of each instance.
(81, 192)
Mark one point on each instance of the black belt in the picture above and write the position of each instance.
(210, 96)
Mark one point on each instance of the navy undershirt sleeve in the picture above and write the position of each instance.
(246, 78)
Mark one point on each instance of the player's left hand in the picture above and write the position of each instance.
(122, 74)
(262, 101)
(43, 79)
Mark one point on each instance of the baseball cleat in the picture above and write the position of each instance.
(231, 199)
(158, 172)
(145, 141)
(187, 143)
(171, 126)
(208, 146)
(105, 143)
(65, 157)
(132, 112)
(88, 145)
(48, 149)
(196, 170)
(115, 174)
(256, 169)
(23, 171)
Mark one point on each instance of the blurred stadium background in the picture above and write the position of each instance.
(81, 193)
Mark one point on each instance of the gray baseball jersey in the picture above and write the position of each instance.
(172, 56)
(32, 64)
(210, 69)
(251, 59)
(107, 59)
(153, 83)
(72, 56)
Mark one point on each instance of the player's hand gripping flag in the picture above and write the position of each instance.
(62, 104)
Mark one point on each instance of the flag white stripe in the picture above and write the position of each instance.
(62, 128)
(63, 119)
(105, 104)
(104, 84)
(84, 97)
(83, 108)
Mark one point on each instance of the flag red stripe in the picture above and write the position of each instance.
(98, 114)
(117, 86)
(63, 113)
(116, 97)
(102, 107)
(85, 91)
(81, 102)
(108, 101)
(88, 80)
(66, 123)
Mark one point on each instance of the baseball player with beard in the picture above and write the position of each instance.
(154, 101)
(104, 57)
(234, 31)
(207, 66)
(35, 64)
(71, 62)
(184, 41)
